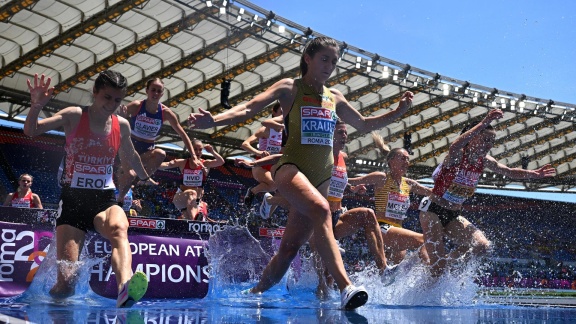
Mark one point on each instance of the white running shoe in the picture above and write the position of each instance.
(342, 251)
(389, 275)
(265, 206)
(353, 297)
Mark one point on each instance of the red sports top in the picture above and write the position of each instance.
(457, 183)
(90, 157)
(24, 202)
(193, 177)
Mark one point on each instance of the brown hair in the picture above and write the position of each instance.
(150, 81)
(313, 47)
(276, 107)
(112, 79)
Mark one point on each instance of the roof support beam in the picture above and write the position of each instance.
(138, 47)
(70, 35)
(13, 7)
(526, 144)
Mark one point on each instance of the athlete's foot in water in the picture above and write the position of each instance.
(62, 291)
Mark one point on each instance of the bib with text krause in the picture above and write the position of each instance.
(317, 125)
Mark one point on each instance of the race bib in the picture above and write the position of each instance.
(338, 184)
(88, 176)
(192, 178)
(274, 145)
(424, 204)
(147, 127)
(458, 193)
(21, 203)
(397, 205)
(317, 125)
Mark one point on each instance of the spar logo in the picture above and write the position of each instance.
(147, 223)
(271, 232)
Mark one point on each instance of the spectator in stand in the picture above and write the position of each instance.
(24, 197)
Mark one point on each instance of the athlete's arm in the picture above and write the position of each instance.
(218, 161)
(131, 109)
(281, 90)
(8, 201)
(275, 123)
(419, 189)
(36, 200)
(176, 163)
(247, 144)
(545, 171)
(365, 124)
(130, 153)
(40, 94)
(374, 178)
(456, 149)
(268, 160)
(171, 117)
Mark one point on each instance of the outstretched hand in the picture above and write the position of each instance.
(41, 92)
(243, 163)
(494, 114)
(546, 171)
(201, 120)
(406, 100)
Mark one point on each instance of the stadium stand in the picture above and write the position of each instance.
(531, 238)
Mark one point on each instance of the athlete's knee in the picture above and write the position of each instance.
(321, 211)
(159, 153)
(369, 217)
(118, 230)
(481, 247)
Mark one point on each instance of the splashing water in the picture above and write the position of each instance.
(45, 278)
(413, 285)
(235, 257)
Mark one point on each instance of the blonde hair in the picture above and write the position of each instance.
(382, 147)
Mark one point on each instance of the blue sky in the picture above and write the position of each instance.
(519, 46)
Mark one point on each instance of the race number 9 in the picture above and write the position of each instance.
(424, 204)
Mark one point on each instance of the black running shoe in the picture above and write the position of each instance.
(249, 198)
